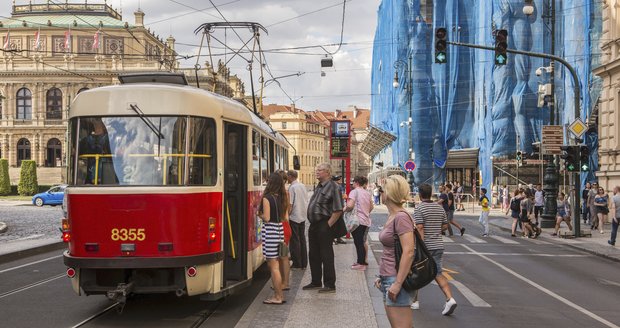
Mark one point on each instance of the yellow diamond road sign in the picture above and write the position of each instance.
(578, 128)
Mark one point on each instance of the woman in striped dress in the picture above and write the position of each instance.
(274, 211)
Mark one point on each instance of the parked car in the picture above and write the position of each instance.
(52, 197)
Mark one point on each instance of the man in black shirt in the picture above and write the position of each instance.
(324, 209)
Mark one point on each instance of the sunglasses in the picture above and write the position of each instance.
(380, 190)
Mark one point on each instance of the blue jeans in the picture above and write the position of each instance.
(402, 299)
(614, 230)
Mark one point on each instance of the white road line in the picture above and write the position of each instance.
(504, 240)
(474, 240)
(374, 236)
(31, 263)
(474, 299)
(537, 241)
(546, 291)
(608, 282)
(517, 254)
(447, 239)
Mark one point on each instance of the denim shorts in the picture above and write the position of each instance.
(403, 299)
(437, 255)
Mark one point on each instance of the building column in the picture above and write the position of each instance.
(11, 151)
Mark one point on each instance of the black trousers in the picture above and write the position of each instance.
(321, 254)
(299, 252)
(538, 210)
(358, 239)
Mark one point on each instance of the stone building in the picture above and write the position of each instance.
(53, 51)
(609, 106)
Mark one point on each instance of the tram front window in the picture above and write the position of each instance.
(126, 151)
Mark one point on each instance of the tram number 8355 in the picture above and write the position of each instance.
(128, 234)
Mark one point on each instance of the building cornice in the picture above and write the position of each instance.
(608, 68)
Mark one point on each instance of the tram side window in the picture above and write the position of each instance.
(202, 152)
(264, 159)
(256, 157)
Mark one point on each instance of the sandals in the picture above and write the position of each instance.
(271, 301)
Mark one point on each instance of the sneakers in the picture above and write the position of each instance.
(449, 308)
(462, 231)
(327, 290)
(485, 235)
(415, 305)
(610, 243)
(311, 286)
(358, 267)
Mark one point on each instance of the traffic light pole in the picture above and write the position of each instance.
(551, 173)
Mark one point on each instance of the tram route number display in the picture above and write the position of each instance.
(340, 148)
(128, 234)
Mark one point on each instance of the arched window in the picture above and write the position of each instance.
(54, 104)
(83, 89)
(54, 153)
(23, 150)
(24, 104)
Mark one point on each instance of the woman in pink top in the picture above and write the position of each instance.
(360, 199)
(392, 274)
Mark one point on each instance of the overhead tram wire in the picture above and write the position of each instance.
(189, 13)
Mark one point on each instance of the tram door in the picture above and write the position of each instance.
(235, 206)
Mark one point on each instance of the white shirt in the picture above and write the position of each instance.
(539, 199)
(298, 196)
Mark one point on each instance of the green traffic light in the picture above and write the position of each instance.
(440, 57)
(585, 167)
(570, 167)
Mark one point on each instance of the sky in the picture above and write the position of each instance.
(290, 24)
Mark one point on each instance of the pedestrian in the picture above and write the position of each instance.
(359, 198)
(515, 211)
(563, 214)
(430, 220)
(506, 198)
(601, 203)
(274, 210)
(375, 193)
(539, 202)
(484, 214)
(443, 201)
(459, 197)
(324, 209)
(285, 264)
(343, 197)
(450, 213)
(615, 221)
(592, 209)
(298, 196)
(527, 213)
(391, 274)
(584, 198)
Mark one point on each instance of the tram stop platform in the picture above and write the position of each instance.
(356, 302)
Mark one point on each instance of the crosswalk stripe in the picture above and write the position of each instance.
(474, 299)
(504, 240)
(447, 239)
(374, 236)
(473, 239)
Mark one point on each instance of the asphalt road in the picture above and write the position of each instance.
(502, 281)
(35, 292)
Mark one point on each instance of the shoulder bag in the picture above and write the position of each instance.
(350, 218)
(423, 268)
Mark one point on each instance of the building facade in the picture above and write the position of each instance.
(609, 108)
(51, 52)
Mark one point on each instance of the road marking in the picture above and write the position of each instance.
(31, 263)
(546, 291)
(474, 240)
(448, 273)
(504, 240)
(447, 239)
(517, 254)
(474, 299)
(608, 282)
(374, 236)
(21, 289)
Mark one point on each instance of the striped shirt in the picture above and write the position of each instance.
(432, 216)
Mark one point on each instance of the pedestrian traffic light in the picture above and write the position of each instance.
(501, 45)
(441, 35)
(519, 157)
(584, 158)
(570, 157)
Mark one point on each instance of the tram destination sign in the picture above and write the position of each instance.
(552, 139)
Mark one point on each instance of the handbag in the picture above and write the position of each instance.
(339, 229)
(423, 268)
(351, 220)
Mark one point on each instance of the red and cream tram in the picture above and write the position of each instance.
(164, 185)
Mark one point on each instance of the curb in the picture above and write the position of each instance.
(4, 258)
(3, 227)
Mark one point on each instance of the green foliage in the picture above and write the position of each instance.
(5, 180)
(28, 185)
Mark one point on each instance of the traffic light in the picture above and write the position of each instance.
(570, 157)
(584, 158)
(441, 35)
(501, 45)
(519, 158)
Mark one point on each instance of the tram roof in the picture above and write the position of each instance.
(164, 99)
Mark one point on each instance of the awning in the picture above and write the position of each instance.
(463, 158)
(376, 141)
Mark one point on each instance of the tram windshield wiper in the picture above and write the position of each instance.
(147, 121)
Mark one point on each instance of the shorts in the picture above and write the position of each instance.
(403, 299)
(437, 255)
(514, 214)
(450, 214)
(562, 214)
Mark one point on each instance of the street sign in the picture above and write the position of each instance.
(578, 128)
(552, 139)
(409, 166)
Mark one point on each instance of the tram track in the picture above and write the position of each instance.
(203, 316)
(29, 286)
(96, 315)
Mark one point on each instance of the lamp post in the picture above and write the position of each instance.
(409, 89)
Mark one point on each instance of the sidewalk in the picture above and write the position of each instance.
(597, 244)
(351, 305)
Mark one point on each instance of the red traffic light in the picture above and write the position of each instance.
(501, 36)
(441, 33)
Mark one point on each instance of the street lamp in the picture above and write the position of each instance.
(409, 89)
(528, 7)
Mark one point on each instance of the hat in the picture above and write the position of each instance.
(336, 178)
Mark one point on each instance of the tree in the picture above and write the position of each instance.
(28, 185)
(5, 180)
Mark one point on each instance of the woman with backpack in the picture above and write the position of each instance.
(527, 210)
(515, 211)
